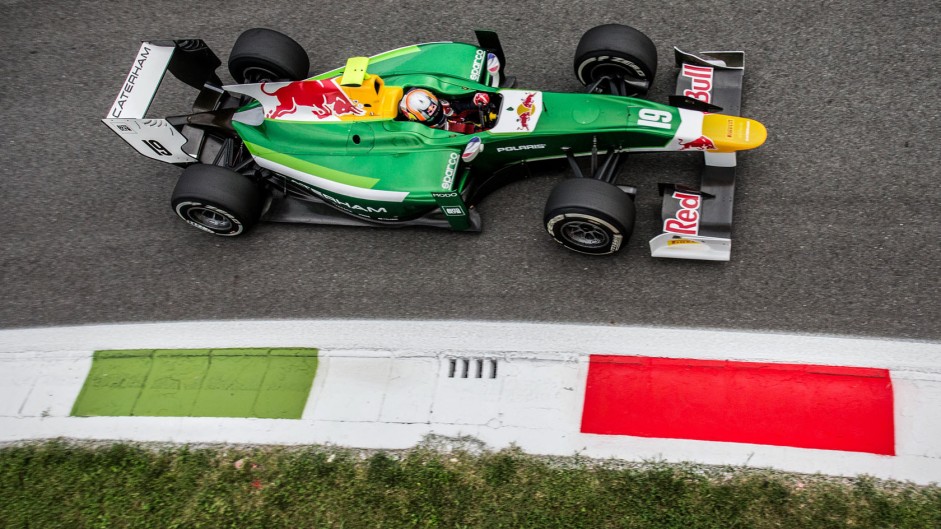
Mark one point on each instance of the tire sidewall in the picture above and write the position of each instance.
(274, 52)
(594, 60)
(557, 220)
(184, 207)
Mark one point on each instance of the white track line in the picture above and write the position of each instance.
(474, 336)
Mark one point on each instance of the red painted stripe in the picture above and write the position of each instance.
(807, 406)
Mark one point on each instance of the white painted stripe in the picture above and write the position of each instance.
(330, 185)
(41, 384)
(481, 336)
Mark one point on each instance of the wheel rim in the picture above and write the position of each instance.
(585, 234)
(209, 218)
(616, 70)
(257, 74)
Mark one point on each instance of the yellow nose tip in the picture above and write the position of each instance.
(733, 133)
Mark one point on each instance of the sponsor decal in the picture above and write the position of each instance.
(701, 77)
(132, 77)
(472, 149)
(450, 171)
(522, 147)
(525, 110)
(616, 243)
(351, 207)
(323, 99)
(678, 242)
(493, 64)
(519, 112)
(454, 211)
(478, 65)
(701, 143)
(686, 221)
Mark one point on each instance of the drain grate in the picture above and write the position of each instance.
(472, 368)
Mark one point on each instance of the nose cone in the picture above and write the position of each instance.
(733, 133)
(755, 133)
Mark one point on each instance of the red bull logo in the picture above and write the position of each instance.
(526, 109)
(701, 143)
(322, 99)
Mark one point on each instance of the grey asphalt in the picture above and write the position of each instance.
(836, 231)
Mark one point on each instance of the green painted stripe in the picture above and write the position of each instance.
(262, 383)
(407, 50)
(373, 60)
(312, 168)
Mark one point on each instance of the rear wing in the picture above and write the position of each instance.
(697, 224)
(189, 60)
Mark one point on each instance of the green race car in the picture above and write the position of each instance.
(417, 136)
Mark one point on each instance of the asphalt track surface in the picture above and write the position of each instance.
(837, 227)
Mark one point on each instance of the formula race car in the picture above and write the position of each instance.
(417, 136)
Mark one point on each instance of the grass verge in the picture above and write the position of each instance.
(60, 484)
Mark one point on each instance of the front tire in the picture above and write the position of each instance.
(261, 54)
(589, 216)
(217, 200)
(616, 51)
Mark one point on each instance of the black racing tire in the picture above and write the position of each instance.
(217, 200)
(589, 216)
(614, 49)
(261, 54)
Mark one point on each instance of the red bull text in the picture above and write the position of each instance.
(701, 77)
(686, 221)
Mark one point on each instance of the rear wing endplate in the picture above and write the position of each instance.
(697, 224)
(190, 61)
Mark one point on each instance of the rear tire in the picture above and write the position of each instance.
(616, 50)
(217, 200)
(589, 216)
(265, 55)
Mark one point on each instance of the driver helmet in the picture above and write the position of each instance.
(421, 105)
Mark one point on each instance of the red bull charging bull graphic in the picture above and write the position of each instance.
(521, 110)
(701, 143)
(525, 110)
(311, 100)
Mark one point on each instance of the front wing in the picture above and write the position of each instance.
(697, 224)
